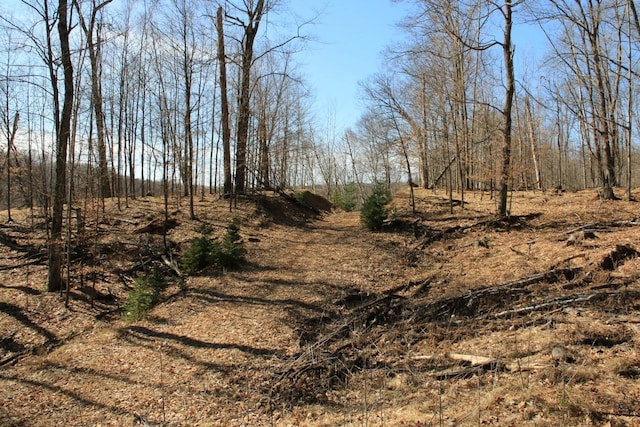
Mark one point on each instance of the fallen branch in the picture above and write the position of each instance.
(473, 359)
(518, 366)
(562, 302)
(529, 244)
(172, 265)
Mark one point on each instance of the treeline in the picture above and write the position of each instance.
(113, 98)
(452, 101)
(151, 100)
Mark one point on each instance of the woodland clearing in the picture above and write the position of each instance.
(443, 318)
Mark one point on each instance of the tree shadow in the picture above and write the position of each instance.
(88, 372)
(173, 351)
(144, 333)
(27, 290)
(83, 401)
(216, 297)
(16, 312)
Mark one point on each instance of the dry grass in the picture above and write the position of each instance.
(229, 350)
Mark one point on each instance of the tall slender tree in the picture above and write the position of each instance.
(224, 105)
(55, 280)
(508, 51)
(94, 48)
(254, 11)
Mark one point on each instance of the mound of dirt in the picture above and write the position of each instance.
(284, 209)
(315, 201)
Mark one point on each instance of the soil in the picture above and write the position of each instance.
(446, 317)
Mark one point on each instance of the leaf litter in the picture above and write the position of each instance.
(331, 325)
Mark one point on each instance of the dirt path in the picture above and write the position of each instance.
(206, 357)
(210, 356)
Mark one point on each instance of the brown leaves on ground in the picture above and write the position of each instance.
(329, 324)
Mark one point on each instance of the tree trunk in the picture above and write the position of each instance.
(187, 70)
(224, 101)
(534, 143)
(96, 96)
(11, 135)
(244, 109)
(55, 281)
(263, 142)
(508, 104)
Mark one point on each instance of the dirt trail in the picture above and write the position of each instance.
(209, 356)
(203, 357)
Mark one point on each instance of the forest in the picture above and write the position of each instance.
(173, 206)
(207, 97)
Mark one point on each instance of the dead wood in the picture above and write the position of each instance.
(511, 222)
(564, 302)
(603, 226)
(172, 264)
(519, 366)
(334, 355)
(471, 358)
(519, 252)
(468, 371)
(471, 302)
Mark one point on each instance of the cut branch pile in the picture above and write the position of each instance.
(355, 342)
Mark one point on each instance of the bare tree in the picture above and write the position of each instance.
(508, 51)
(11, 130)
(92, 29)
(252, 13)
(589, 48)
(9, 124)
(224, 105)
(55, 281)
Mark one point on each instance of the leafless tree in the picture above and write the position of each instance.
(224, 105)
(55, 280)
(92, 29)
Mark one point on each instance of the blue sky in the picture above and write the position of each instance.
(349, 38)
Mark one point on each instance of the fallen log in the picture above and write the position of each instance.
(471, 358)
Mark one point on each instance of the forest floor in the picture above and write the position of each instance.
(444, 318)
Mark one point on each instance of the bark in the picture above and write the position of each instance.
(244, 109)
(534, 143)
(188, 77)
(55, 281)
(11, 134)
(224, 103)
(96, 96)
(508, 104)
(263, 140)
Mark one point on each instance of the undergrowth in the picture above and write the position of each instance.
(206, 251)
(346, 198)
(144, 296)
(374, 211)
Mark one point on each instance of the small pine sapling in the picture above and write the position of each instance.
(374, 211)
(201, 252)
(231, 251)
